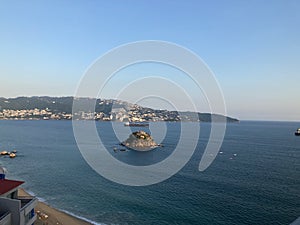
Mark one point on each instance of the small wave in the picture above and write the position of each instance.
(296, 222)
(80, 217)
(65, 211)
(41, 199)
(29, 192)
(33, 194)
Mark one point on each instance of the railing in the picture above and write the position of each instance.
(26, 201)
(2, 215)
(27, 209)
(5, 218)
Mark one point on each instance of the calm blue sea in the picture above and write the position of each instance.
(260, 185)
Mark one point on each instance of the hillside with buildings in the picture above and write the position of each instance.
(60, 108)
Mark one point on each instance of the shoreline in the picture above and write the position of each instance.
(55, 216)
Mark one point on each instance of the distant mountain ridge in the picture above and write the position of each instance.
(45, 107)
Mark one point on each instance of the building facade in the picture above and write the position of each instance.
(15, 210)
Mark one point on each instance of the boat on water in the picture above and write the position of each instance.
(297, 133)
(12, 155)
(4, 153)
(136, 124)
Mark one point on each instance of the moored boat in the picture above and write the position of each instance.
(4, 153)
(297, 133)
(12, 155)
(136, 124)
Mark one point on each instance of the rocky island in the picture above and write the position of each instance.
(140, 141)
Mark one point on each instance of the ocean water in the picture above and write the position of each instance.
(260, 185)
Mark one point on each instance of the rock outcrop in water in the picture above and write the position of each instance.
(140, 141)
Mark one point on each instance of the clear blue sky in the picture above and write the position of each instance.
(253, 47)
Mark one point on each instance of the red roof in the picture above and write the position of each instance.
(8, 185)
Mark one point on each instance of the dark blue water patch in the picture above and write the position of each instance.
(255, 180)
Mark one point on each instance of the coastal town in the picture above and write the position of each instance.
(60, 108)
(119, 114)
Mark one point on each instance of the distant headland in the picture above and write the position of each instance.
(60, 108)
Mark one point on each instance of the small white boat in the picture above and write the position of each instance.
(136, 124)
(297, 133)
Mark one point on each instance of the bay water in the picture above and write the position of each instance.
(255, 179)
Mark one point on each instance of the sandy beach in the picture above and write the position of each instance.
(50, 216)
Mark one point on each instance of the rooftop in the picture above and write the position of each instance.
(8, 185)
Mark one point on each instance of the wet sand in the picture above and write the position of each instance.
(55, 217)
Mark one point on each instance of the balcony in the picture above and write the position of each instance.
(26, 201)
(5, 218)
(27, 214)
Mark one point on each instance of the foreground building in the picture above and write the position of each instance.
(15, 210)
